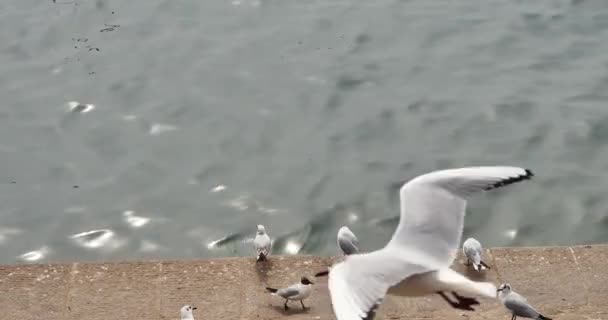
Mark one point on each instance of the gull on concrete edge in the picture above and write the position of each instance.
(186, 312)
(472, 250)
(298, 291)
(416, 261)
(347, 241)
(517, 304)
(262, 244)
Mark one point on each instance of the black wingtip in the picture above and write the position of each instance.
(371, 314)
(272, 290)
(527, 176)
(322, 273)
(541, 317)
(261, 257)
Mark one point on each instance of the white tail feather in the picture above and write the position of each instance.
(457, 282)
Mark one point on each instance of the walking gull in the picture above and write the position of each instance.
(517, 304)
(347, 241)
(472, 250)
(261, 244)
(295, 292)
(186, 312)
(416, 261)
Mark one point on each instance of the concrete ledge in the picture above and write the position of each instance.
(562, 282)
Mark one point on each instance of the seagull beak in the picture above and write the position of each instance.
(194, 308)
(498, 290)
(322, 273)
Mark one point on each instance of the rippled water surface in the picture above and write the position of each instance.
(148, 129)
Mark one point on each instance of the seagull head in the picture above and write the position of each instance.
(261, 229)
(186, 312)
(305, 281)
(504, 288)
(344, 229)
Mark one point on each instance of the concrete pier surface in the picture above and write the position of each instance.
(561, 282)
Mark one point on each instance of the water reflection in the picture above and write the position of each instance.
(134, 221)
(7, 233)
(35, 255)
(93, 239)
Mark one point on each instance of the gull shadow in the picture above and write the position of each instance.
(468, 271)
(262, 268)
(294, 308)
(475, 275)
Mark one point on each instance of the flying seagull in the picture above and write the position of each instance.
(416, 261)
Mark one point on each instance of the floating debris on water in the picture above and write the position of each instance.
(64, 2)
(109, 27)
(77, 107)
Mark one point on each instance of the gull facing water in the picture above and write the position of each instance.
(262, 244)
(472, 250)
(347, 241)
(416, 261)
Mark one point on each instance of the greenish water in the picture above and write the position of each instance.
(213, 116)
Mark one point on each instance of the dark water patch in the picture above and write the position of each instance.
(349, 82)
(598, 133)
(318, 188)
(212, 174)
(334, 101)
(537, 137)
(515, 109)
(361, 42)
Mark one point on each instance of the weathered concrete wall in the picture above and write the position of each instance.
(562, 282)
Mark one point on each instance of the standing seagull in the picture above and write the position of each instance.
(186, 312)
(472, 250)
(347, 241)
(417, 259)
(261, 244)
(517, 304)
(298, 291)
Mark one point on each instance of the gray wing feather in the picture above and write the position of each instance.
(349, 246)
(433, 206)
(288, 292)
(262, 244)
(520, 306)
